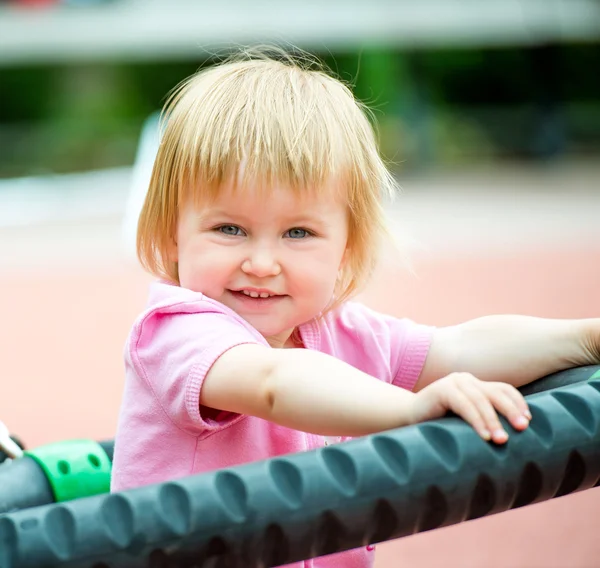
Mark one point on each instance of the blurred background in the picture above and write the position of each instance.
(488, 113)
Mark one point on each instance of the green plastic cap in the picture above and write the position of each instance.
(74, 468)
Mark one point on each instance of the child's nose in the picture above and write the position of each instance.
(262, 262)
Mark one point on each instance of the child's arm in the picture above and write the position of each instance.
(512, 349)
(314, 392)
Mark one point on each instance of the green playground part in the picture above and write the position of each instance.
(74, 468)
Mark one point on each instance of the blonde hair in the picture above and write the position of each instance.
(288, 121)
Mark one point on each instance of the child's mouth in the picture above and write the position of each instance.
(252, 297)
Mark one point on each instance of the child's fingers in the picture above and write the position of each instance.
(468, 407)
(518, 399)
(493, 429)
(479, 403)
(510, 406)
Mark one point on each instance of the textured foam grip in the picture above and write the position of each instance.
(23, 484)
(299, 506)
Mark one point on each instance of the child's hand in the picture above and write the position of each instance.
(476, 402)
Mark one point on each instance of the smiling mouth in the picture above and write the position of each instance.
(254, 295)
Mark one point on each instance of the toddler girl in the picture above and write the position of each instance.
(263, 218)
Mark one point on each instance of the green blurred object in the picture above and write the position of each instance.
(74, 468)
(434, 106)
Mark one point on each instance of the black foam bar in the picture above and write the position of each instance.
(23, 484)
(339, 497)
(561, 379)
(109, 446)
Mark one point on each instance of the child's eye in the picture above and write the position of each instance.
(297, 233)
(230, 230)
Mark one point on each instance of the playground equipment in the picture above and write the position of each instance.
(298, 506)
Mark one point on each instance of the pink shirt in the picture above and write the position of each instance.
(162, 434)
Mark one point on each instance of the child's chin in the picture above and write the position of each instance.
(270, 332)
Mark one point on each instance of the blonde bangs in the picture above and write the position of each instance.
(266, 122)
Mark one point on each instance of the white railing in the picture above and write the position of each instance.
(163, 29)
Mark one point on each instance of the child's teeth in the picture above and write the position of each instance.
(253, 294)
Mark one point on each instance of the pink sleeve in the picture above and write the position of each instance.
(409, 347)
(391, 349)
(172, 351)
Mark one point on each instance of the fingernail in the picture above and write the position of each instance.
(528, 415)
(485, 434)
(521, 421)
(500, 435)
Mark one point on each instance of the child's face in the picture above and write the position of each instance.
(248, 243)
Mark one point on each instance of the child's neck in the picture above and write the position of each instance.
(294, 341)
